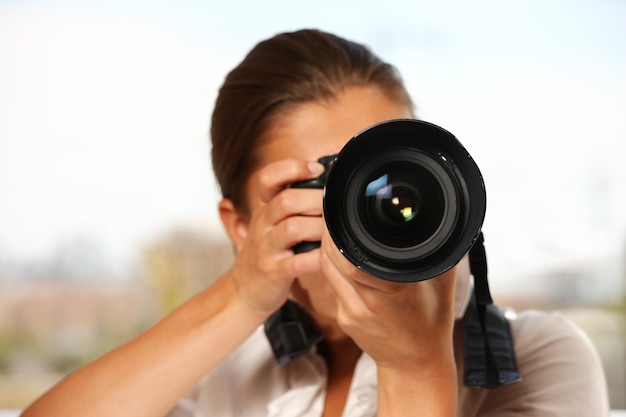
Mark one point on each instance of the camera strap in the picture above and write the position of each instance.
(489, 354)
(290, 332)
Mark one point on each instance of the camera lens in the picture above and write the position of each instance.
(399, 207)
(404, 201)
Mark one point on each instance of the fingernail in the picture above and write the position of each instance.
(316, 168)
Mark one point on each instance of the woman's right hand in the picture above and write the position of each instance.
(173, 352)
(277, 218)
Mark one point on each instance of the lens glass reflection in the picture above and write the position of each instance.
(397, 204)
(403, 207)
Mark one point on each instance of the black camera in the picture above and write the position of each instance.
(403, 200)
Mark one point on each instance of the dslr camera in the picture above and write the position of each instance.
(403, 200)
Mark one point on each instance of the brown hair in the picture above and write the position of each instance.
(287, 69)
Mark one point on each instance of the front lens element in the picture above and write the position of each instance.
(398, 205)
(403, 207)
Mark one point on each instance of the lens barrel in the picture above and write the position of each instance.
(404, 201)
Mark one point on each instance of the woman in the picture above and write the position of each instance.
(294, 98)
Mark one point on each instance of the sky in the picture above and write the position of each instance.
(105, 107)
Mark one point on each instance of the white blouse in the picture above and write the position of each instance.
(561, 376)
(250, 384)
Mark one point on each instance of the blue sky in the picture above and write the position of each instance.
(104, 110)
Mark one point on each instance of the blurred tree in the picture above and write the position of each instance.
(182, 263)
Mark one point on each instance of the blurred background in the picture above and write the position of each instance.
(108, 213)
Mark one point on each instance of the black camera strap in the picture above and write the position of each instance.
(290, 332)
(489, 355)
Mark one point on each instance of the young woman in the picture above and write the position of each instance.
(294, 98)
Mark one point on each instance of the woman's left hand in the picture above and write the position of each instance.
(407, 328)
(393, 322)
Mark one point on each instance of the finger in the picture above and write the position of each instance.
(302, 264)
(276, 176)
(297, 229)
(291, 202)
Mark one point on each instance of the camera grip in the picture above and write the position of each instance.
(314, 183)
(306, 246)
(318, 183)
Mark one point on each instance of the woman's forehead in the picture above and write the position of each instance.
(313, 129)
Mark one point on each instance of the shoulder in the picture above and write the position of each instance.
(561, 371)
(533, 331)
(550, 339)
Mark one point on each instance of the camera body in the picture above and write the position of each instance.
(319, 182)
(403, 200)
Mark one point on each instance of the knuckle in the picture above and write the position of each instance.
(348, 318)
(266, 267)
(305, 263)
(291, 229)
(354, 313)
(286, 200)
(265, 177)
(299, 265)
